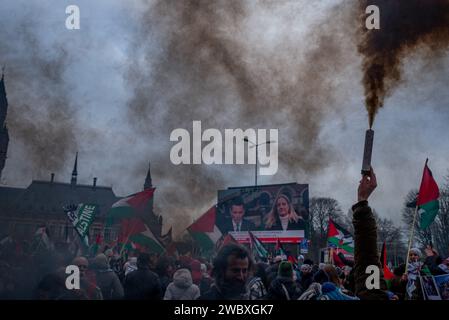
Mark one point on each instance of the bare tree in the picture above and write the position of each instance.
(437, 233)
(321, 209)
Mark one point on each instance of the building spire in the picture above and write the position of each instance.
(148, 183)
(75, 171)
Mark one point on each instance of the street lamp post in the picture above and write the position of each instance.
(257, 152)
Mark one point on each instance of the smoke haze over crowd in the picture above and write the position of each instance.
(135, 71)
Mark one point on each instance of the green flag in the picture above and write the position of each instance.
(81, 217)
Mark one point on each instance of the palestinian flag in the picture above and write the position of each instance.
(428, 195)
(338, 237)
(227, 239)
(96, 245)
(388, 275)
(147, 240)
(284, 254)
(131, 207)
(257, 246)
(204, 231)
(130, 212)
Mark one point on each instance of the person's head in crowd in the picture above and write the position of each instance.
(285, 270)
(165, 267)
(51, 287)
(414, 255)
(308, 261)
(195, 268)
(332, 274)
(261, 272)
(231, 267)
(82, 263)
(306, 269)
(282, 209)
(277, 259)
(346, 270)
(153, 260)
(203, 268)
(237, 210)
(100, 262)
(109, 254)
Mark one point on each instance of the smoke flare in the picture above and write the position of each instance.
(405, 25)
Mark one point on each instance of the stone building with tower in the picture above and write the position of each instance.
(23, 210)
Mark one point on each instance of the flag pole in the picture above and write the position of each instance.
(127, 237)
(411, 238)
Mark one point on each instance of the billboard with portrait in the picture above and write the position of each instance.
(270, 212)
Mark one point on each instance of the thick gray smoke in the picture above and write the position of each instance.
(203, 60)
(41, 111)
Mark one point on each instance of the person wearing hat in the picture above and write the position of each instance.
(182, 287)
(365, 241)
(306, 277)
(107, 280)
(284, 286)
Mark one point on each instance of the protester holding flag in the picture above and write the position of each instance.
(143, 283)
(182, 287)
(284, 287)
(231, 269)
(306, 277)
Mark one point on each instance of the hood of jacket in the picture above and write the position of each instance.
(182, 278)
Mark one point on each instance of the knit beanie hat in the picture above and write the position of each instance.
(285, 269)
(416, 251)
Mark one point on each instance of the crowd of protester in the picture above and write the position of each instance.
(233, 274)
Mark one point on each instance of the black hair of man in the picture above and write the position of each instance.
(143, 261)
(238, 201)
(220, 263)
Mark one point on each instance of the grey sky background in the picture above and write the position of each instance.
(114, 90)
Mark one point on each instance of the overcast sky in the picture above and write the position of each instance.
(116, 88)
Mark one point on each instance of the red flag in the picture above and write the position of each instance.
(278, 245)
(205, 223)
(428, 191)
(388, 275)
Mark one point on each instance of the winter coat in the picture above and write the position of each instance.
(331, 292)
(365, 252)
(182, 287)
(142, 284)
(205, 283)
(106, 279)
(216, 293)
(256, 289)
(283, 288)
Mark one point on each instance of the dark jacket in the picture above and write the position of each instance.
(216, 293)
(142, 284)
(365, 252)
(305, 281)
(106, 279)
(283, 288)
(432, 263)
